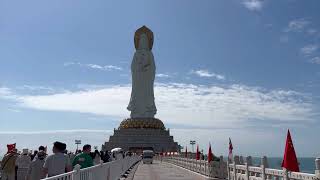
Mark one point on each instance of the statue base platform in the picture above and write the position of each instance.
(142, 133)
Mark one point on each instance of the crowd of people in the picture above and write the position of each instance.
(37, 165)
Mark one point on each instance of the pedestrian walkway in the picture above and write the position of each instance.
(164, 171)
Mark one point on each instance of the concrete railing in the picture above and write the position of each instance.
(240, 170)
(214, 169)
(107, 171)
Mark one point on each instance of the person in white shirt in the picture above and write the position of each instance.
(36, 166)
(97, 157)
(58, 162)
(23, 163)
(117, 155)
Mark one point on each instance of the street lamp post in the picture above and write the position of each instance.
(192, 142)
(77, 142)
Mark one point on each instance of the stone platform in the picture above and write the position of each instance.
(136, 139)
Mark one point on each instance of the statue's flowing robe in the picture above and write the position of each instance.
(142, 95)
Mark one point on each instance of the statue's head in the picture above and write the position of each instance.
(143, 42)
(143, 38)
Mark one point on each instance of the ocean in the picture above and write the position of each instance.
(307, 164)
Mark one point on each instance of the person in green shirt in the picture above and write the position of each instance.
(84, 159)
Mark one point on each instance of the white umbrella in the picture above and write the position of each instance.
(116, 150)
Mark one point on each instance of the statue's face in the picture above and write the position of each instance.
(143, 42)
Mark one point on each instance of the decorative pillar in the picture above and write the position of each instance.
(206, 168)
(264, 161)
(241, 160)
(247, 164)
(249, 160)
(235, 162)
(285, 174)
(222, 168)
(317, 171)
(228, 169)
(76, 175)
(264, 164)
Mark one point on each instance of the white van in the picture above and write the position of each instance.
(147, 156)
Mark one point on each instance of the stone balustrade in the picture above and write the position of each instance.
(214, 169)
(110, 170)
(240, 170)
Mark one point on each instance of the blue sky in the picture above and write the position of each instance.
(245, 69)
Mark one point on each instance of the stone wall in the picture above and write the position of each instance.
(157, 139)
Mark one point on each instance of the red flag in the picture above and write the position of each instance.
(230, 149)
(186, 153)
(198, 153)
(290, 161)
(210, 155)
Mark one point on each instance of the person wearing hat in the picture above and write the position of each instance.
(36, 167)
(58, 162)
(23, 163)
(8, 163)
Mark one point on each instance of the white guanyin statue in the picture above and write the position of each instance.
(143, 71)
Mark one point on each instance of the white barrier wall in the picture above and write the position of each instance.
(240, 170)
(107, 171)
(214, 169)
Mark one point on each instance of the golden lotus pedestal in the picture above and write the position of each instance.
(142, 133)
(142, 123)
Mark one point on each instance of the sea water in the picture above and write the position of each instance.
(306, 164)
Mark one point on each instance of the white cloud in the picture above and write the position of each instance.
(163, 75)
(228, 106)
(315, 60)
(70, 131)
(309, 49)
(253, 5)
(13, 110)
(45, 89)
(206, 73)
(94, 66)
(297, 25)
(4, 91)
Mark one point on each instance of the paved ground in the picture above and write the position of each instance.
(164, 171)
